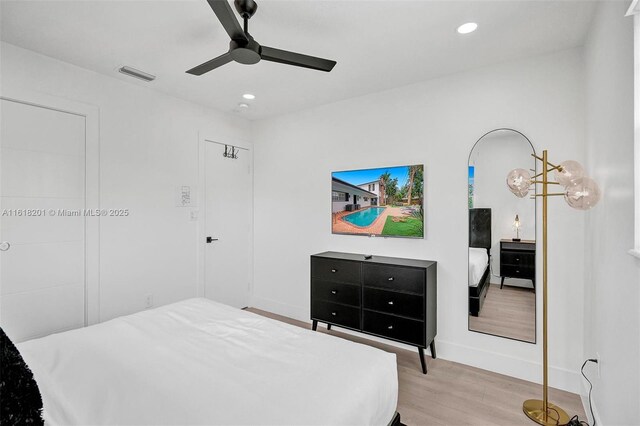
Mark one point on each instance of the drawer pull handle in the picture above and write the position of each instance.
(333, 271)
(390, 279)
(390, 327)
(334, 291)
(334, 313)
(391, 302)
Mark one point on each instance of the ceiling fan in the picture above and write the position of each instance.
(245, 50)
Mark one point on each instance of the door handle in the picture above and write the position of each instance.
(4, 246)
(211, 239)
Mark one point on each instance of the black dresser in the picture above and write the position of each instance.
(388, 297)
(518, 260)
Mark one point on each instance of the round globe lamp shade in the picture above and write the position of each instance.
(569, 170)
(519, 181)
(582, 193)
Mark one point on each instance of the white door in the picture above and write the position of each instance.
(228, 221)
(42, 185)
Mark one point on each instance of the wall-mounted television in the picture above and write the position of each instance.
(381, 202)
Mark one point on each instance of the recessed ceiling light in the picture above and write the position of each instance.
(243, 105)
(467, 28)
(249, 96)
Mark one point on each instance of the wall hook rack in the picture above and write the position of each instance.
(230, 152)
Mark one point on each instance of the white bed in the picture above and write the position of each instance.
(478, 262)
(201, 362)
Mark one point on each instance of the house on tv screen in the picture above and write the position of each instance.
(349, 197)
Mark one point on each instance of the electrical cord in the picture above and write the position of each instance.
(595, 361)
(575, 421)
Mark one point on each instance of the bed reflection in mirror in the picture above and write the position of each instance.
(502, 247)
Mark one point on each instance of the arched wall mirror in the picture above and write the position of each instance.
(502, 232)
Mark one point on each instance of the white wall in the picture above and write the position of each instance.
(612, 325)
(148, 146)
(434, 123)
(493, 157)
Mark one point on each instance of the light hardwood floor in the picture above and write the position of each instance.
(508, 312)
(453, 394)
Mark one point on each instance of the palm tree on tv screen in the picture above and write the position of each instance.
(390, 186)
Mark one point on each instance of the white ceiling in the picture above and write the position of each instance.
(378, 44)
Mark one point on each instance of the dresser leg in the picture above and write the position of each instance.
(501, 283)
(314, 327)
(433, 349)
(422, 361)
(328, 326)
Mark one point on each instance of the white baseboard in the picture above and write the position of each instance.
(559, 378)
(280, 308)
(531, 371)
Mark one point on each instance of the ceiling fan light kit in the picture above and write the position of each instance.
(245, 50)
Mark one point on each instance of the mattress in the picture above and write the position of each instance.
(478, 262)
(201, 362)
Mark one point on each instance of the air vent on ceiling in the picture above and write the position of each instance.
(132, 72)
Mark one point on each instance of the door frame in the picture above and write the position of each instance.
(201, 244)
(91, 114)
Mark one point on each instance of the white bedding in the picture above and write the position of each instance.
(478, 262)
(201, 362)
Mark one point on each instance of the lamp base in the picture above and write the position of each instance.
(516, 239)
(533, 408)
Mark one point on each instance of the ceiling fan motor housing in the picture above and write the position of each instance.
(247, 53)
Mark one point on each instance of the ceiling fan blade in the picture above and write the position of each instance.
(297, 59)
(212, 64)
(228, 19)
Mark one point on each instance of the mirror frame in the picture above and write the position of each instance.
(535, 207)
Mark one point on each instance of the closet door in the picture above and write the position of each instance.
(228, 221)
(42, 227)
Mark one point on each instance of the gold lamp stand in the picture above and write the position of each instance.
(582, 193)
(542, 411)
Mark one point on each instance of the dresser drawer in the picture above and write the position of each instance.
(517, 271)
(334, 313)
(408, 305)
(335, 292)
(335, 270)
(402, 329)
(394, 278)
(519, 246)
(524, 259)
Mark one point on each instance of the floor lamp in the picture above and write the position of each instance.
(582, 193)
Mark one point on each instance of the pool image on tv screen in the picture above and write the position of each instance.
(385, 202)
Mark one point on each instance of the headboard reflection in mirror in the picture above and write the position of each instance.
(502, 247)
